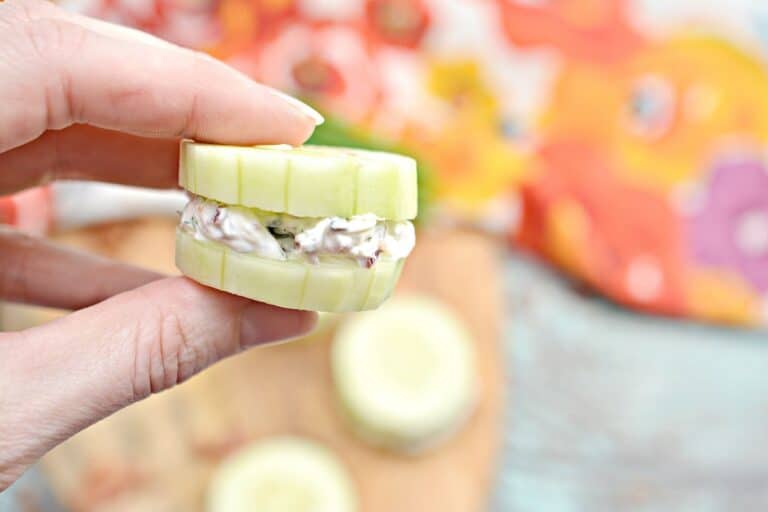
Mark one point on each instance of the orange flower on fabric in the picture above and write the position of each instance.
(397, 22)
(630, 239)
(330, 65)
(590, 30)
(585, 104)
(248, 24)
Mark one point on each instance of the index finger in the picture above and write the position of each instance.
(75, 74)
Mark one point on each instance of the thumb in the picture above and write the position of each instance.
(59, 378)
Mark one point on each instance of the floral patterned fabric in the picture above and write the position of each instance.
(629, 135)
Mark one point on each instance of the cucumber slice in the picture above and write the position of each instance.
(205, 261)
(310, 181)
(282, 475)
(405, 374)
(336, 286)
(217, 172)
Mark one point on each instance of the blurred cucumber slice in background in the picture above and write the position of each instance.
(283, 474)
(405, 373)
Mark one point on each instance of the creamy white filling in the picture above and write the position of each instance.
(363, 238)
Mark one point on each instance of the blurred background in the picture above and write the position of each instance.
(594, 209)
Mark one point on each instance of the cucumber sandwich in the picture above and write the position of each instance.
(315, 228)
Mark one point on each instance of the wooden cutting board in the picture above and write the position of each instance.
(157, 455)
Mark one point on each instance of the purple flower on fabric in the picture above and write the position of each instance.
(729, 229)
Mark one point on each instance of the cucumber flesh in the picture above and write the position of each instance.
(334, 286)
(282, 474)
(310, 181)
(405, 374)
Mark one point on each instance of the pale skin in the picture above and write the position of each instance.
(82, 98)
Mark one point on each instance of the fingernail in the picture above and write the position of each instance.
(261, 324)
(301, 106)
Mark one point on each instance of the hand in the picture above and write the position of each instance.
(86, 99)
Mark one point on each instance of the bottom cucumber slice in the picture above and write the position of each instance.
(324, 286)
(284, 474)
(405, 374)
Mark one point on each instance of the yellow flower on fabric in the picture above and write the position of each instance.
(722, 297)
(461, 84)
(584, 105)
(680, 98)
(661, 114)
(472, 163)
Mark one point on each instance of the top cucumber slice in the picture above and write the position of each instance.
(309, 181)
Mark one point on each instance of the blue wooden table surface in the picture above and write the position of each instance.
(612, 411)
